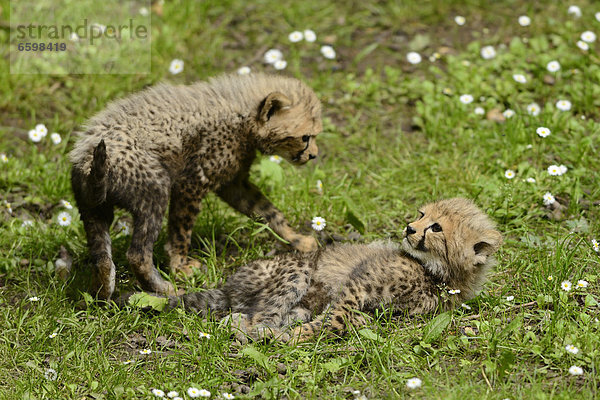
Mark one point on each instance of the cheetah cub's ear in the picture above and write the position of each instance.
(487, 245)
(273, 104)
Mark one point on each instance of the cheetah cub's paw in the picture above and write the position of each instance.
(240, 325)
(305, 244)
(181, 265)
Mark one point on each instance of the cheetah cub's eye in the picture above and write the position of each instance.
(436, 227)
(305, 138)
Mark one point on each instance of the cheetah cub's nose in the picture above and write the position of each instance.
(311, 156)
(410, 230)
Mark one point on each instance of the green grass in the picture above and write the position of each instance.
(395, 136)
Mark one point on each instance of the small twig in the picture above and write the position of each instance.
(486, 378)
(515, 307)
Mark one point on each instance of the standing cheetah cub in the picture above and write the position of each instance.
(179, 143)
(449, 247)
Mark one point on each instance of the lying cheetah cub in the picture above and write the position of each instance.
(449, 247)
(179, 143)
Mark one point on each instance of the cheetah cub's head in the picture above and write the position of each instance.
(288, 128)
(455, 242)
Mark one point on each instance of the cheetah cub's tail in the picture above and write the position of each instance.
(90, 188)
(97, 178)
(200, 302)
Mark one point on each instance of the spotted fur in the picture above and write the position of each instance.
(179, 143)
(450, 246)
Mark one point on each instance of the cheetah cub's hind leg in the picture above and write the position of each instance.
(97, 222)
(283, 283)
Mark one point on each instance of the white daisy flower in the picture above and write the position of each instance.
(508, 113)
(295, 36)
(529, 147)
(123, 227)
(563, 105)
(66, 204)
(413, 57)
(100, 27)
(243, 70)
(3, 158)
(524, 20)
(34, 299)
(328, 52)
(574, 11)
(176, 66)
(588, 37)
(510, 298)
(520, 78)
(583, 45)
(566, 285)
(466, 99)
(35, 136)
(533, 109)
(144, 12)
(172, 394)
(74, 37)
(454, 291)
(318, 223)
(193, 392)
(127, 362)
(548, 199)
(530, 180)
(460, 20)
(465, 306)
(273, 55)
(597, 15)
(575, 370)
(542, 131)
(550, 278)
(203, 393)
(53, 335)
(556, 170)
(319, 186)
(203, 335)
(145, 352)
(55, 137)
(227, 396)
(553, 66)
(50, 374)
(26, 224)
(309, 35)
(275, 159)
(595, 245)
(479, 111)
(488, 52)
(64, 218)
(177, 398)
(509, 174)
(414, 383)
(582, 284)
(280, 64)
(158, 393)
(41, 129)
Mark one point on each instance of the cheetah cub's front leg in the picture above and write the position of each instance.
(184, 207)
(248, 199)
